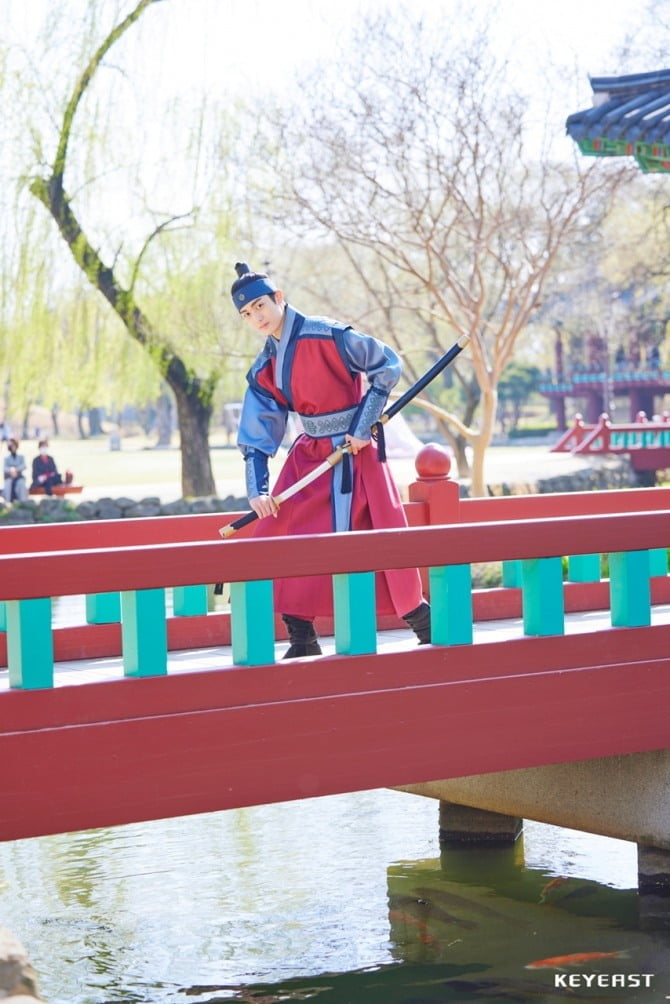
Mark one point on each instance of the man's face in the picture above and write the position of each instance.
(265, 314)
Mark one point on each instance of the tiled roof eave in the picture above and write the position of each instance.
(634, 120)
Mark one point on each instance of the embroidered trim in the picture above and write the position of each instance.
(256, 473)
(333, 423)
(369, 411)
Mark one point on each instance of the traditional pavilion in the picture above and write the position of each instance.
(630, 117)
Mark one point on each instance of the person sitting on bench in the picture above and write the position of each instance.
(14, 466)
(45, 472)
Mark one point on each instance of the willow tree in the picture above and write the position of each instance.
(193, 390)
(417, 161)
(60, 346)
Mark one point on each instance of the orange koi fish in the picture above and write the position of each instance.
(578, 959)
(423, 934)
(550, 886)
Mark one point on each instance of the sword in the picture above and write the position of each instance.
(337, 455)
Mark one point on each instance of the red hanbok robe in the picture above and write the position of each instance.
(316, 370)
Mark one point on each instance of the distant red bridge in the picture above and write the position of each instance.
(646, 441)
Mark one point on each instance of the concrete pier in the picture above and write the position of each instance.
(653, 870)
(463, 826)
(625, 797)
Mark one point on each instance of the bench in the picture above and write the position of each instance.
(58, 490)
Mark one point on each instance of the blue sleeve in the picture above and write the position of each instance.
(382, 367)
(262, 428)
(262, 422)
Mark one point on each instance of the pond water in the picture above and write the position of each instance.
(339, 900)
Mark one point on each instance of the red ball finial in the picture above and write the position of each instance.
(433, 461)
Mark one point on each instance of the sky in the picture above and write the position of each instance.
(254, 48)
(275, 35)
(226, 48)
(232, 48)
(258, 42)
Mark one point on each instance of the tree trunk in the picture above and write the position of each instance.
(164, 421)
(462, 464)
(480, 443)
(194, 416)
(95, 421)
(25, 424)
(80, 424)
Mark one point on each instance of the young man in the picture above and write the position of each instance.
(314, 366)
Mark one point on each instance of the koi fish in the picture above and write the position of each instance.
(434, 912)
(451, 900)
(577, 959)
(550, 886)
(424, 936)
(398, 917)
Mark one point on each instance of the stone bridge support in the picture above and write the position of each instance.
(626, 797)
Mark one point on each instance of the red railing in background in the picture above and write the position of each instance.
(647, 441)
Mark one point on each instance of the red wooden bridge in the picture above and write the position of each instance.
(646, 441)
(517, 676)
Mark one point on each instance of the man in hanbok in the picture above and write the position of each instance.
(314, 367)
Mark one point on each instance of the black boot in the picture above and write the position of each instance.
(302, 636)
(419, 621)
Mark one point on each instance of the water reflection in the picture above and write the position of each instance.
(512, 928)
(343, 900)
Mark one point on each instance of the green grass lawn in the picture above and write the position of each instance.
(95, 465)
(138, 466)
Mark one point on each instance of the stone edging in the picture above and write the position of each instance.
(609, 475)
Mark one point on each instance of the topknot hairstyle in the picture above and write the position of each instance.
(250, 285)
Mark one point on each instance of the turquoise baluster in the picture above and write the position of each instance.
(542, 595)
(451, 605)
(511, 574)
(252, 623)
(355, 614)
(189, 601)
(658, 561)
(103, 608)
(144, 632)
(584, 568)
(30, 650)
(630, 591)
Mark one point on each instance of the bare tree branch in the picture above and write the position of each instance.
(154, 233)
(415, 164)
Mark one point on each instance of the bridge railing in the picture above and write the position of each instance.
(251, 732)
(435, 499)
(109, 560)
(183, 617)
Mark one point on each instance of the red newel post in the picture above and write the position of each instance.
(439, 495)
(434, 487)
